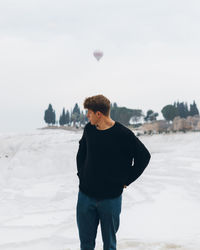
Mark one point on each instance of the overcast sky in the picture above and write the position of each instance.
(151, 55)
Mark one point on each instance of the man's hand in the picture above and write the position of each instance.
(125, 186)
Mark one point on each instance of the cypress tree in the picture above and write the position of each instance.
(62, 120)
(182, 111)
(50, 116)
(67, 118)
(75, 116)
(53, 120)
(193, 109)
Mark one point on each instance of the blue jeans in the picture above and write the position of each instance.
(89, 211)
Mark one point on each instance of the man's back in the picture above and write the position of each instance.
(104, 160)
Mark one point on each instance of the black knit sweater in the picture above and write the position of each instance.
(105, 160)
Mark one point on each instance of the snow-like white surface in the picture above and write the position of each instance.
(39, 188)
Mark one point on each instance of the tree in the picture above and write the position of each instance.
(193, 109)
(169, 112)
(124, 115)
(151, 115)
(137, 114)
(182, 109)
(114, 105)
(50, 116)
(75, 116)
(76, 109)
(62, 120)
(83, 118)
(53, 117)
(67, 117)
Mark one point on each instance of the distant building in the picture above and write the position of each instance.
(191, 123)
(156, 126)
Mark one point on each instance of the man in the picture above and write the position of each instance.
(105, 167)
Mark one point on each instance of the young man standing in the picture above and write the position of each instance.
(105, 167)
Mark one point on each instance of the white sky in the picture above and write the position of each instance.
(151, 55)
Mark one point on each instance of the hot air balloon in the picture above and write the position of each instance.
(98, 54)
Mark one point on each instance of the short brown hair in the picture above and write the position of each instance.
(98, 103)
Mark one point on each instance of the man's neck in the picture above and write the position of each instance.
(105, 124)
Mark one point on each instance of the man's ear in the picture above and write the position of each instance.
(98, 113)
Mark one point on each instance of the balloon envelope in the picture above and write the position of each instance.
(98, 54)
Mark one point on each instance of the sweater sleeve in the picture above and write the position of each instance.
(141, 158)
(81, 154)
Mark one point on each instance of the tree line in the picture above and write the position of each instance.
(77, 117)
(73, 118)
(180, 109)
